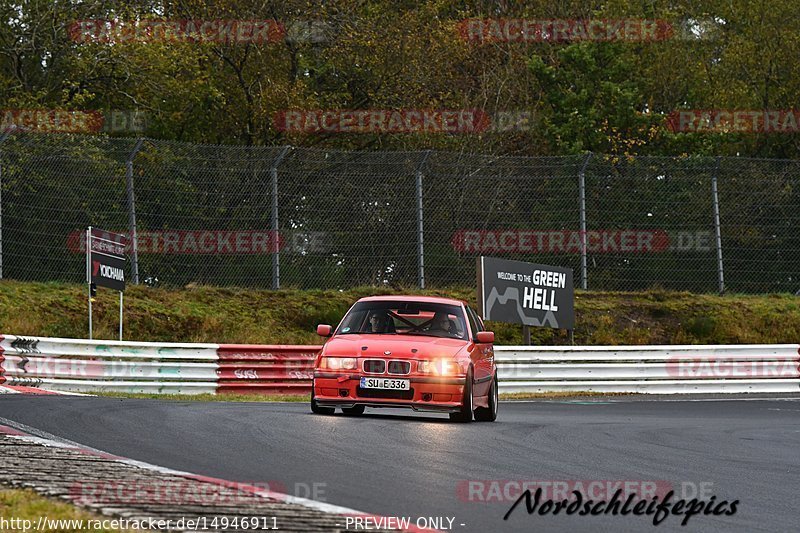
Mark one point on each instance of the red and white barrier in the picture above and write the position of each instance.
(267, 369)
(77, 365)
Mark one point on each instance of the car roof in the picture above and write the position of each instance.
(413, 298)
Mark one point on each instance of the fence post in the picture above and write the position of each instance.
(582, 194)
(421, 224)
(3, 138)
(717, 230)
(276, 254)
(131, 194)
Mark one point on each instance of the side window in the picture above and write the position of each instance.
(481, 326)
(474, 322)
(461, 328)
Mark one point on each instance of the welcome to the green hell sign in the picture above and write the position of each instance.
(538, 297)
(525, 293)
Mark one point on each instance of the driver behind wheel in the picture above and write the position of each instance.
(380, 322)
(441, 323)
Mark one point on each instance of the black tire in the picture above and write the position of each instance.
(464, 415)
(353, 411)
(489, 414)
(317, 409)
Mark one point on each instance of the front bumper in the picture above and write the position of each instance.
(428, 393)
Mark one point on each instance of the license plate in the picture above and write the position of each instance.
(385, 383)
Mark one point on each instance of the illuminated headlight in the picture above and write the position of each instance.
(439, 367)
(339, 363)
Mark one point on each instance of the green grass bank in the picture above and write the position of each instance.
(234, 315)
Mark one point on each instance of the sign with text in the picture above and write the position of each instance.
(525, 293)
(107, 259)
(108, 271)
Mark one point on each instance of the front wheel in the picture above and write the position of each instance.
(316, 408)
(464, 414)
(489, 414)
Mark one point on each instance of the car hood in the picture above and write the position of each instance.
(400, 346)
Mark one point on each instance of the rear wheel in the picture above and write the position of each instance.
(489, 414)
(353, 411)
(316, 408)
(465, 413)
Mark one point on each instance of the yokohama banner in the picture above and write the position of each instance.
(107, 268)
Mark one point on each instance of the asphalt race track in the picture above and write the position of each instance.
(396, 463)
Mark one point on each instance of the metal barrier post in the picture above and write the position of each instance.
(89, 274)
(120, 315)
(3, 138)
(582, 195)
(420, 224)
(717, 230)
(132, 212)
(276, 254)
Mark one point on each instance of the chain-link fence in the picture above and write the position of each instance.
(312, 218)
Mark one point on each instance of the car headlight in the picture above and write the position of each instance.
(439, 367)
(339, 363)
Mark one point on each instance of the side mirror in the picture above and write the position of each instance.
(484, 337)
(324, 330)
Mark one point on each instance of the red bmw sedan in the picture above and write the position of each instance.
(422, 352)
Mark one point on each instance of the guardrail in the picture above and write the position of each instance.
(650, 369)
(277, 369)
(77, 365)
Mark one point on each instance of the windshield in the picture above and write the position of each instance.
(405, 318)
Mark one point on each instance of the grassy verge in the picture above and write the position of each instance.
(28, 505)
(232, 315)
